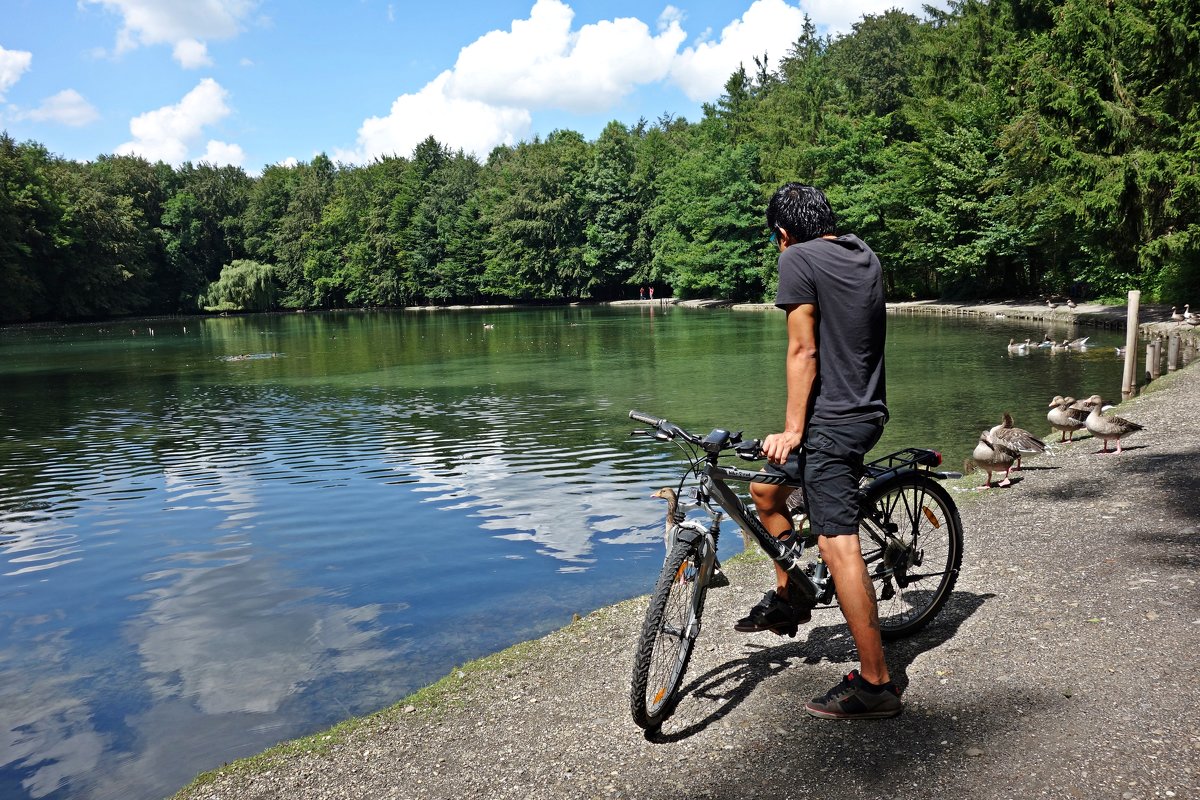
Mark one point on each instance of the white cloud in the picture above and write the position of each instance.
(185, 26)
(222, 153)
(13, 64)
(768, 26)
(191, 54)
(473, 125)
(541, 62)
(167, 133)
(68, 107)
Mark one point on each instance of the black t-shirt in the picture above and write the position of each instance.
(843, 279)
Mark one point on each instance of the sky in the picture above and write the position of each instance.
(259, 82)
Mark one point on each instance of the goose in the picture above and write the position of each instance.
(668, 494)
(1014, 347)
(1056, 347)
(1108, 427)
(1188, 316)
(1120, 350)
(1071, 304)
(488, 326)
(1080, 343)
(991, 456)
(1016, 438)
(1175, 315)
(1063, 418)
(1051, 304)
(718, 578)
(1046, 341)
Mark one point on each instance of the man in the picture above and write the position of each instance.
(831, 288)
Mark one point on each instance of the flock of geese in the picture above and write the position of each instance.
(1186, 317)
(1066, 344)
(1000, 448)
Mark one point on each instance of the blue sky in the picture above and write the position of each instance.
(258, 82)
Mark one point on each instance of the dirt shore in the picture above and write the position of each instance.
(1064, 665)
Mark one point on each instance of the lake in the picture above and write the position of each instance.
(219, 533)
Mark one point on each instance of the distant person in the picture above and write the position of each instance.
(831, 289)
(641, 293)
(651, 292)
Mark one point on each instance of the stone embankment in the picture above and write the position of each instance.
(1064, 665)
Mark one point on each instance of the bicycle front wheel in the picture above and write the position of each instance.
(912, 541)
(668, 634)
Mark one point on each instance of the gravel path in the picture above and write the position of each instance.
(1065, 665)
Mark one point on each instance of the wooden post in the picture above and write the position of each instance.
(1153, 351)
(1173, 352)
(1129, 376)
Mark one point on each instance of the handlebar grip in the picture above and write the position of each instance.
(646, 418)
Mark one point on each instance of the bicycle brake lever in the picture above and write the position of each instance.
(750, 451)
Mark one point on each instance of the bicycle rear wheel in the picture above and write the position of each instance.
(912, 541)
(668, 633)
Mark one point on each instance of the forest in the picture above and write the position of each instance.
(1001, 148)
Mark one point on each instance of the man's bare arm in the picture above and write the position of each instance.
(801, 374)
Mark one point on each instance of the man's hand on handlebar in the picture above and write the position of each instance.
(778, 446)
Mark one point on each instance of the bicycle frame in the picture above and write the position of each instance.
(788, 552)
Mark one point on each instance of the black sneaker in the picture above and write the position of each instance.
(775, 614)
(854, 698)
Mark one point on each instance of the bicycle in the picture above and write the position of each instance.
(911, 538)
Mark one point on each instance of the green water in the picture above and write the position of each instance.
(216, 534)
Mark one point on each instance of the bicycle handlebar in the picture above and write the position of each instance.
(646, 418)
(719, 440)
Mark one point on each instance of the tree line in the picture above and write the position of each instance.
(998, 148)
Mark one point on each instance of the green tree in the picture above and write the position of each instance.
(201, 228)
(533, 208)
(244, 285)
(612, 206)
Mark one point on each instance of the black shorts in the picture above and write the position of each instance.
(829, 465)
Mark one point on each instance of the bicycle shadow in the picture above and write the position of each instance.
(734, 681)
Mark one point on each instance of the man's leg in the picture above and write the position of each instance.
(856, 597)
(776, 612)
(771, 503)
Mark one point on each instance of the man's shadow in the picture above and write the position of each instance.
(734, 681)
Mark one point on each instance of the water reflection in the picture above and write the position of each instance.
(202, 554)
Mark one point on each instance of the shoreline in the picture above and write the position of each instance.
(1030, 681)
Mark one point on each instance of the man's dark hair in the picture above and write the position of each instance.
(802, 211)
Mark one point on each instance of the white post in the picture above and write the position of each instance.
(1128, 379)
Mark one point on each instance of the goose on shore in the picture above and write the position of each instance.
(1071, 304)
(668, 494)
(1175, 315)
(1064, 419)
(1017, 439)
(1051, 304)
(1108, 428)
(718, 578)
(991, 456)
